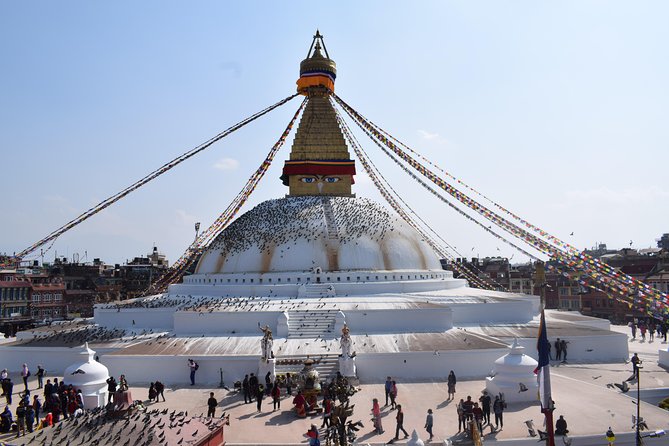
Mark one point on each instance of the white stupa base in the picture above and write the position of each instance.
(267, 366)
(511, 390)
(663, 359)
(347, 367)
(95, 399)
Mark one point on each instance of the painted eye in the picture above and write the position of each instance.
(308, 179)
(332, 179)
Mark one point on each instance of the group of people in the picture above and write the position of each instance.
(560, 349)
(479, 412)
(120, 386)
(156, 390)
(253, 389)
(650, 327)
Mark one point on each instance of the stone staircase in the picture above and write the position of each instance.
(327, 365)
(311, 324)
(318, 290)
(333, 231)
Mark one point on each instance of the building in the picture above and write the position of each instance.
(15, 292)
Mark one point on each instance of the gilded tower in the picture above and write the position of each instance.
(319, 163)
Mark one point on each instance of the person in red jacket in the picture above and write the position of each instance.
(400, 423)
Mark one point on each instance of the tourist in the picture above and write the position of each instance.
(387, 386)
(376, 413)
(561, 426)
(9, 389)
(193, 366)
(111, 388)
(461, 415)
(486, 402)
(289, 384)
(636, 362)
(498, 408)
(79, 398)
(122, 384)
(651, 330)
(276, 396)
(393, 395)
(30, 418)
(429, 421)
(558, 349)
(259, 395)
(211, 404)
(25, 374)
(399, 418)
(48, 389)
(40, 376)
(327, 411)
(268, 383)
(160, 391)
(312, 434)
(253, 385)
(477, 412)
(6, 420)
(632, 326)
(550, 357)
(300, 404)
(152, 392)
(468, 407)
(451, 385)
(20, 419)
(37, 405)
(563, 349)
(246, 390)
(642, 329)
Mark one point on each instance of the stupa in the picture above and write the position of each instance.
(313, 262)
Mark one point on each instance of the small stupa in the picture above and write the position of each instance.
(513, 376)
(89, 376)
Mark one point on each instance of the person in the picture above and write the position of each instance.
(312, 434)
(79, 398)
(327, 411)
(289, 384)
(451, 385)
(636, 362)
(468, 407)
(558, 349)
(429, 421)
(393, 394)
(550, 356)
(561, 426)
(633, 327)
(399, 418)
(152, 392)
(111, 389)
(20, 419)
(376, 413)
(253, 385)
(246, 389)
(461, 415)
(193, 366)
(486, 401)
(259, 395)
(651, 330)
(300, 404)
(122, 384)
(30, 418)
(268, 383)
(642, 329)
(40, 376)
(25, 374)
(37, 405)
(276, 396)
(160, 391)
(6, 420)
(211, 404)
(563, 349)
(477, 413)
(9, 389)
(387, 386)
(498, 408)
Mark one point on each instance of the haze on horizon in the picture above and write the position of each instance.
(556, 111)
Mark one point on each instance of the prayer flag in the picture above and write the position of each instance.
(543, 368)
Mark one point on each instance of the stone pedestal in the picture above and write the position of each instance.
(663, 358)
(347, 367)
(264, 367)
(514, 377)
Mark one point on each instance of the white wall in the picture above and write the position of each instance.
(604, 348)
(511, 311)
(404, 320)
(54, 359)
(156, 318)
(189, 322)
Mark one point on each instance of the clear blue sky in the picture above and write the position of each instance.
(557, 110)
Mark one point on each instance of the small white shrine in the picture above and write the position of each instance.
(90, 377)
(513, 375)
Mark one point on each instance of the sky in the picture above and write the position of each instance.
(555, 110)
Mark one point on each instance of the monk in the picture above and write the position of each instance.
(300, 405)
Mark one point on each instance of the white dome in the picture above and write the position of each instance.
(86, 372)
(333, 233)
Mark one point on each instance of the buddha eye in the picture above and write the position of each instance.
(308, 179)
(332, 179)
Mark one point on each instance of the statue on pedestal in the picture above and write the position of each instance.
(266, 343)
(345, 342)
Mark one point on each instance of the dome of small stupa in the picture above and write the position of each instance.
(304, 232)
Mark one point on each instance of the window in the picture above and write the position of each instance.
(58, 297)
(338, 279)
(46, 297)
(36, 297)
